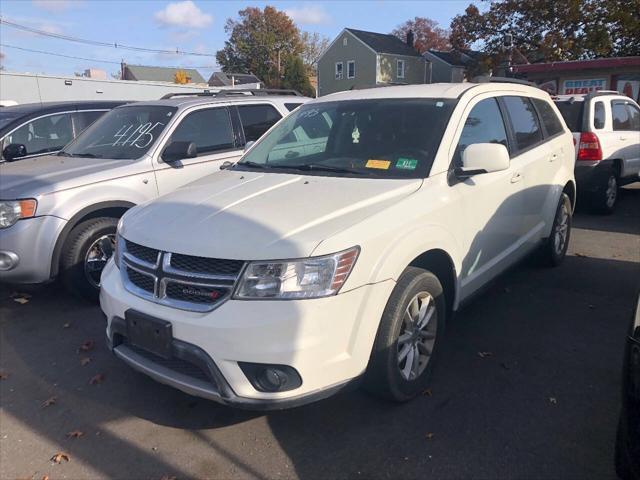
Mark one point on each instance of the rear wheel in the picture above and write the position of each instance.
(408, 337)
(555, 248)
(86, 252)
(604, 201)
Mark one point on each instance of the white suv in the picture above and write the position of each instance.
(341, 243)
(606, 129)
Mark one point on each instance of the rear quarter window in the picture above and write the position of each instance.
(524, 122)
(572, 114)
(548, 117)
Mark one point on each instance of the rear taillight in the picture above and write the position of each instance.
(589, 147)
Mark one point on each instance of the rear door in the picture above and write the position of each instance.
(211, 130)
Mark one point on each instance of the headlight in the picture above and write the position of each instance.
(13, 210)
(117, 253)
(303, 278)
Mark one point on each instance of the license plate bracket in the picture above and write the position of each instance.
(149, 333)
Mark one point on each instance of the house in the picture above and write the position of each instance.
(223, 79)
(360, 59)
(585, 76)
(450, 66)
(159, 74)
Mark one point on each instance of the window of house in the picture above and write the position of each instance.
(548, 117)
(351, 69)
(344, 41)
(598, 115)
(209, 129)
(338, 70)
(257, 119)
(400, 68)
(524, 122)
(483, 125)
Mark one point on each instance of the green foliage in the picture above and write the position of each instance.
(296, 76)
(545, 30)
(259, 43)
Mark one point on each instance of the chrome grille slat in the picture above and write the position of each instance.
(161, 282)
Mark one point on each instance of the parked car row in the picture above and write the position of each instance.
(272, 270)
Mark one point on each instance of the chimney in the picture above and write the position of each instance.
(410, 38)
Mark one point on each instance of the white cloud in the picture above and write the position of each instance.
(183, 14)
(309, 15)
(54, 5)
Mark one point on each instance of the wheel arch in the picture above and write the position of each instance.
(438, 262)
(113, 209)
(570, 190)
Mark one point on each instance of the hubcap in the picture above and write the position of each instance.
(612, 191)
(562, 229)
(417, 336)
(97, 256)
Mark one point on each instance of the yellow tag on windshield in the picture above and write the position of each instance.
(380, 164)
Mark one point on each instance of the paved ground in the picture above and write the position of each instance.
(544, 404)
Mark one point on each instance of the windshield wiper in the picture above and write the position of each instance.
(86, 155)
(316, 167)
(251, 164)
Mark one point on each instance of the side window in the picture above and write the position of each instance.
(524, 122)
(620, 115)
(82, 120)
(549, 119)
(42, 135)
(257, 119)
(634, 116)
(598, 115)
(209, 129)
(483, 125)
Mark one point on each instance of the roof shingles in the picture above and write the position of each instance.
(160, 74)
(384, 43)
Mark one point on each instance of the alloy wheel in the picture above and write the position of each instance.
(612, 191)
(561, 229)
(97, 256)
(417, 336)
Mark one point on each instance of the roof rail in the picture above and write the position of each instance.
(235, 92)
(487, 79)
(599, 93)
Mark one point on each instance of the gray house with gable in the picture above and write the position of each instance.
(360, 59)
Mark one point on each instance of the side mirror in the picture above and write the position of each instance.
(14, 151)
(248, 145)
(480, 158)
(226, 164)
(178, 150)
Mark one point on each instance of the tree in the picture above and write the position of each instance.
(427, 34)
(313, 45)
(296, 76)
(552, 31)
(180, 77)
(260, 42)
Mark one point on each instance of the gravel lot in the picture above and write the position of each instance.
(527, 387)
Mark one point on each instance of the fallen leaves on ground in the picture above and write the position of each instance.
(485, 354)
(85, 361)
(4, 375)
(66, 325)
(60, 457)
(553, 400)
(49, 401)
(96, 379)
(427, 393)
(21, 300)
(87, 346)
(45, 477)
(581, 255)
(75, 434)
(429, 435)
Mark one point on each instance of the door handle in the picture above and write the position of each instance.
(516, 178)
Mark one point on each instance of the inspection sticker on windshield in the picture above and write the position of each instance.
(406, 163)
(380, 164)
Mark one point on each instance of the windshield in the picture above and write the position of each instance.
(123, 133)
(388, 138)
(6, 118)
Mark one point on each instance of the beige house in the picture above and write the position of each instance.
(359, 59)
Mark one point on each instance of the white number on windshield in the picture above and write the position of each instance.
(140, 137)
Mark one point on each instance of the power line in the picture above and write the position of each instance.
(83, 58)
(97, 43)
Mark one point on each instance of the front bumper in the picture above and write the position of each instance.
(327, 341)
(32, 241)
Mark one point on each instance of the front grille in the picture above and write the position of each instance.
(195, 293)
(141, 280)
(177, 280)
(209, 266)
(174, 364)
(146, 254)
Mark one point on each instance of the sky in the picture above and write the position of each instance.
(187, 25)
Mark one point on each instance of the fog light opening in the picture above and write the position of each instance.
(271, 378)
(8, 261)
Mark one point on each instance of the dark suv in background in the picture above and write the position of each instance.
(35, 129)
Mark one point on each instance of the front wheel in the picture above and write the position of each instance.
(408, 337)
(86, 252)
(555, 247)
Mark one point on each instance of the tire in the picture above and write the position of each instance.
(555, 248)
(605, 200)
(84, 236)
(386, 374)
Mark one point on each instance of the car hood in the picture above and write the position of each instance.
(258, 216)
(32, 177)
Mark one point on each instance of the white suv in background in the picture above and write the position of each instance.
(341, 243)
(606, 129)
